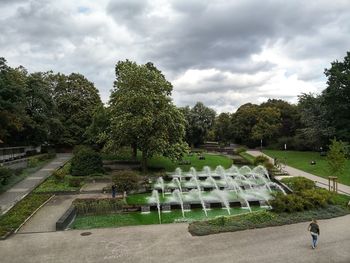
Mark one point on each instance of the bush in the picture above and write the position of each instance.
(59, 175)
(33, 162)
(85, 162)
(74, 182)
(288, 203)
(5, 174)
(126, 181)
(299, 183)
(98, 206)
(317, 197)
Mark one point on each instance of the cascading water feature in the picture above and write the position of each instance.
(277, 186)
(207, 170)
(160, 181)
(178, 173)
(212, 181)
(244, 170)
(155, 196)
(178, 196)
(193, 172)
(177, 183)
(221, 195)
(241, 195)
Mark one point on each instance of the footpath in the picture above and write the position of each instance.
(321, 182)
(20, 190)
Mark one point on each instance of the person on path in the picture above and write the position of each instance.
(315, 232)
(114, 189)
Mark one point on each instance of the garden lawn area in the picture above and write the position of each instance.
(301, 160)
(136, 218)
(52, 185)
(248, 157)
(211, 160)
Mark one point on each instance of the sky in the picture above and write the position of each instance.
(223, 53)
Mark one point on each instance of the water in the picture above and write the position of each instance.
(155, 196)
(160, 181)
(178, 196)
(222, 196)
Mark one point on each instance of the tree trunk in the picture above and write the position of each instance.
(144, 163)
(134, 151)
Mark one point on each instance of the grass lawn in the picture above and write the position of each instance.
(136, 218)
(248, 157)
(52, 185)
(301, 160)
(211, 160)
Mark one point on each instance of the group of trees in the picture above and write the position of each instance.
(44, 108)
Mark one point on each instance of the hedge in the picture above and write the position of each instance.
(85, 162)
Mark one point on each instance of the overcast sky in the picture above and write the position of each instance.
(223, 53)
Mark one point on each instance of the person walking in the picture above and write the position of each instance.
(315, 232)
(114, 190)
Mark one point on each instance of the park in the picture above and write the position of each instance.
(152, 171)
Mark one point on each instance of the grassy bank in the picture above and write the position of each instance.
(301, 160)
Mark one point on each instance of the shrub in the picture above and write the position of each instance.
(317, 197)
(126, 181)
(97, 175)
(299, 183)
(79, 148)
(268, 165)
(33, 162)
(86, 162)
(241, 149)
(287, 203)
(74, 182)
(5, 174)
(98, 206)
(59, 175)
(261, 159)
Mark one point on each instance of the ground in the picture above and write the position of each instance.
(172, 243)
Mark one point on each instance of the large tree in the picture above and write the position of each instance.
(222, 127)
(12, 102)
(142, 113)
(337, 97)
(76, 99)
(200, 120)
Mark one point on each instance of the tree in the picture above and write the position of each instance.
(97, 132)
(337, 97)
(12, 102)
(142, 113)
(267, 125)
(315, 127)
(336, 157)
(76, 98)
(200, 119)
(222, 127)
(126, 181)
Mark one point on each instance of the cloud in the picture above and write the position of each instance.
(224, 53)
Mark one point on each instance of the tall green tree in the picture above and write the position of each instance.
(337, 97)
(76, 99)
(222, 127)
(336, 157)
(142, 113)
(12, 102)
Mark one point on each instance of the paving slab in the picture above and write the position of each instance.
(173, 243)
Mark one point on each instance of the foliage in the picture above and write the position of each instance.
(222, 127)
(86, 162)
(98, 206)
(5, 174)
(52, 185)
(126, 181)
(241, 149)
(263, 219)
(337, 96)
(20, 212)
(299, 183)
(33, 161)
(143, 114)
(74, 182)
(336, 157)
(199, 121)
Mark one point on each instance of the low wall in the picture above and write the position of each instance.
(66, 219)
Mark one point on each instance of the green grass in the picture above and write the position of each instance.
(301, 160)
(136, 218)
(17, 177)
(20, 212)
(211, 160)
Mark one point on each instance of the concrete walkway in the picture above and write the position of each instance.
(17, 192)
(173, 243)
(321, 182)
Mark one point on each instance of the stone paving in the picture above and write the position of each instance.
(321, 182)
(173, 243)
(17, 192)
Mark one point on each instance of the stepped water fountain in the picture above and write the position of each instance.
(216, 188)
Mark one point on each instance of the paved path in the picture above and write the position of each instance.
(172, 243)
(18, 191)
(321, 182)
